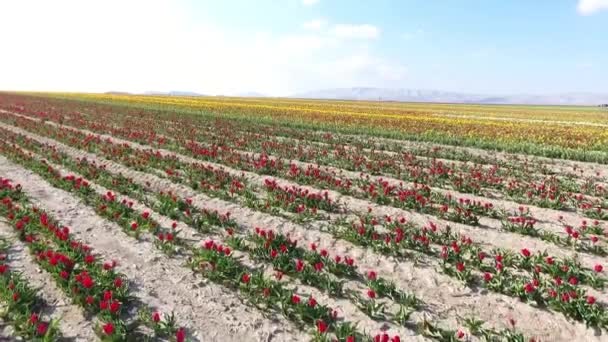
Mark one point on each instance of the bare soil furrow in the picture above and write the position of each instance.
(208, 311)
(489, 233)
(73, 323)
(448, 298)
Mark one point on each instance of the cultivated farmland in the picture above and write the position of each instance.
(222, 219)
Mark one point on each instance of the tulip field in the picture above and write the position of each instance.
(151, 218)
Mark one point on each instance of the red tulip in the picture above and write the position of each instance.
(525, 252)
(299, 265)
(371, 293)
(103, 305)
(114, 306)
(180, 335)
(34, 318)
(156, 317)
(312, 302)
(321, 326)
(460, 334)
(598, 268)
(87, 282)
(108, 328)
(246, 278)
(42, 328)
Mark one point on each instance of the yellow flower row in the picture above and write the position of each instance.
(574, 127)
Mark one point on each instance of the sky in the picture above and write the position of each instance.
(284, 47)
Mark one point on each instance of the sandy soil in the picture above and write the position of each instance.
(212, 313)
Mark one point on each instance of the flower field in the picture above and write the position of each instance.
(135, 218)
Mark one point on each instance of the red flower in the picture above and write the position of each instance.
(266, 292)
(114, 306)
(312, 302)
(460, 266)
(246, 278)
(549, 260)
(156, 317)
(598, 268)
(371, 293)
(118, 282)
(145, 215)
(64, 274)
(90, 300)
(87, 282)
(16, 296)
(42, 328)
(321, 326)
(180, 335)
(107, 295)
(273, 253)
(299, 265)
(590, 300)
(350, 338)
(487, 277)
(319, 266)
(108, 328)
(295, 299)
(460, 334)
(573, 280)
(34, 318)
(103, 305)
(525, 252)
(529, 288)
(134, 226)
(371, 275)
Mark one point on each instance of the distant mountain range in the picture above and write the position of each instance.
(422, 95)
(172, 93)
(418, 95)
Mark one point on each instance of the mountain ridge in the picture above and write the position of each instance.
(438, 96)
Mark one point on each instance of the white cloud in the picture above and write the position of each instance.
(364, 31)
(588, 7)
(70, 45)
(315, 24)
(310, 2)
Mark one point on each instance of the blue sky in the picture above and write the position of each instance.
(284, 47)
